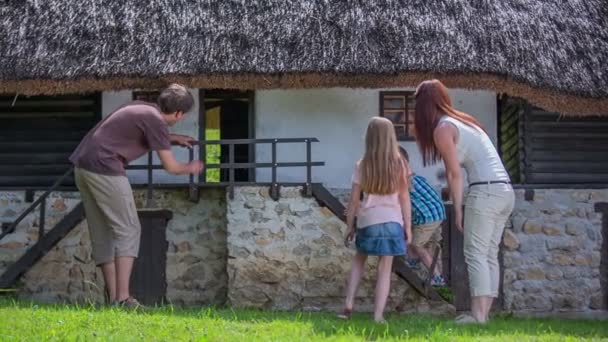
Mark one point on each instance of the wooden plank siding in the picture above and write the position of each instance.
(576, 150)
(541, 147)
(38, 134)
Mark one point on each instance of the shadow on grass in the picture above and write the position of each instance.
(328, 325)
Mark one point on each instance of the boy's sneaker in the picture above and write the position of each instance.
(414, 264)
(129, 303)
(438, 281)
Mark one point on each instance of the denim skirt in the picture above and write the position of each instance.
(381, 239)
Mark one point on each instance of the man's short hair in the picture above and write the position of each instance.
(175, 98)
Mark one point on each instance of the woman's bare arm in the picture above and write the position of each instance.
(445, 136)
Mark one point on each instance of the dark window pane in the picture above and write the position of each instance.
(396, 116)
(394, 102)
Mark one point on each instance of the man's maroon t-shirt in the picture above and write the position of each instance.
(125, 135)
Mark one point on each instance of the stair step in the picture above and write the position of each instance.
(45, 244)
(326, 198)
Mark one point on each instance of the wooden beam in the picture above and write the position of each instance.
(403, 271)
(327, 199)
(23, 181)
(38, 147)
(400, 267)
(37, 251)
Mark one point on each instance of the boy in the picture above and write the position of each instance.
(128, 133)
(428, 214)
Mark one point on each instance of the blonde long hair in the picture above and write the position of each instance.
(383, 170)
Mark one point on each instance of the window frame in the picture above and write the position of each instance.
(145, 95)
(408, 94)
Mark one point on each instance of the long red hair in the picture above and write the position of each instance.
(432, 102)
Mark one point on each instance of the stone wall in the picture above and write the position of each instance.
(66, 272)
(552, 251)
(289, 254)
(196, 258)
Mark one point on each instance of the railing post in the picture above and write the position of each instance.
(193, 187)
(202, 153)
(274, 187)
(308, 185)
(149, 194)
(42, 218)
(7, 229)
(231, 170)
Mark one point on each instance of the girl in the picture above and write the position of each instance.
(382, 215)
(459, 139)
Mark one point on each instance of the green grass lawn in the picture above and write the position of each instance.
(22, 321)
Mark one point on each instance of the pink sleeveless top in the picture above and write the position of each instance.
(376, 209)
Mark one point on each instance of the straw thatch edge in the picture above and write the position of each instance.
(548, 99)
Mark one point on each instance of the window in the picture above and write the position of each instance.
(399, 106)
(541, 147)
(147, 96)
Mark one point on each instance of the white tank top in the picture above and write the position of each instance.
(477, 154)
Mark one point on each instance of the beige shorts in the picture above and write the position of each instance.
(426, 233)
(111, 215)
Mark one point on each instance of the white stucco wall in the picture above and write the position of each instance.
(338, 117)
(188, 126)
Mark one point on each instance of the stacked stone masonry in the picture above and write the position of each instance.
(552, 252)
(66, 273)
(288, 254)
(196, 257)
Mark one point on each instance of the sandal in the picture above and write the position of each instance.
(129, 303)
(467, 319)
(346, 313)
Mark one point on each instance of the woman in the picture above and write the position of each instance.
(383, 217)
(459, 139)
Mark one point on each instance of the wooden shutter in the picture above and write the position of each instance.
(38, 134)
(511, 112)
(564, 150)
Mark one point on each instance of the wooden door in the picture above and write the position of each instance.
(148, 280)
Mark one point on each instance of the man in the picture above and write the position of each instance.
(125, 135)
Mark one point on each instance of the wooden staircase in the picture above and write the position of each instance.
(400, 267)
(46, 239)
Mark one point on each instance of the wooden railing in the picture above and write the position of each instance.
(194, 184)
(8, 228)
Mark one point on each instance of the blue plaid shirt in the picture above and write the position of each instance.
(427, 206)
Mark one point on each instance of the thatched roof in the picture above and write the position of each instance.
(555, 53)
